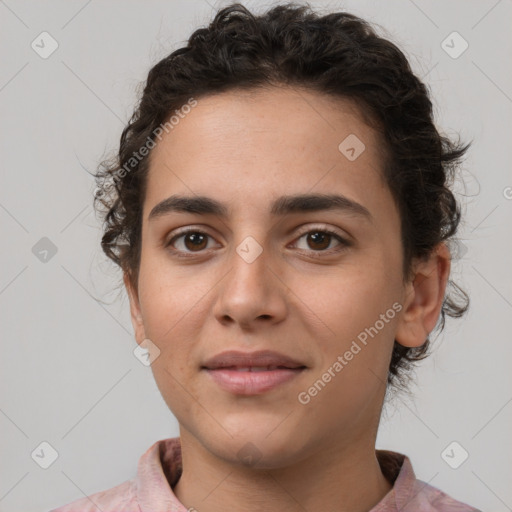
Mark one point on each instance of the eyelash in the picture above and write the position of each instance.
(344, 243)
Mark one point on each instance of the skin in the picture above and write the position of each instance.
(245, 149)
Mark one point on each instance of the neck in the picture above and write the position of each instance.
(345, 479)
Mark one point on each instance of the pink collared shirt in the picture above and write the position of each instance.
(159, 469)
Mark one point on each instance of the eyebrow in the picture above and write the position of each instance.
(284, 205)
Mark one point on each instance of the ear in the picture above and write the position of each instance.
(424, 295)
(135, 311)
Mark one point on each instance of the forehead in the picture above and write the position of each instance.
(266, 142)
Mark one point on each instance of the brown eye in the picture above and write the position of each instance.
(189, 241)
(318, 240)
(195, 241)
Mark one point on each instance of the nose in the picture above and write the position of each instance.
(252, 293)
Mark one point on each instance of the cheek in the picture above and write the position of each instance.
(354, 319)
(352, 328)
(168, 299)
(174, 306)
(171, 313)
(349, 299)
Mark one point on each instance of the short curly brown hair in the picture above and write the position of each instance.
(336, 54)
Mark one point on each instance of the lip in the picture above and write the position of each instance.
(233, 371)
(246, 382)
(236, 359)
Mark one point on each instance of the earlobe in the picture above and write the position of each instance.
(423, 298)
(135, 310)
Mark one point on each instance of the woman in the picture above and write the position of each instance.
(280, 211)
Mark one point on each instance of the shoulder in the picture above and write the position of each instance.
(427, 498)
(159, 465)
(410, 494)
(121, 498)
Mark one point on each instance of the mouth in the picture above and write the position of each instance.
(251, 373)
(256, 368)
(253, 380)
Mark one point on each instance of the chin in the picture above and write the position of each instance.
(258, 445)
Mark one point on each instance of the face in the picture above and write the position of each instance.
(322, 285)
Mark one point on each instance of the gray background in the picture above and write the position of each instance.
(69, 376)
